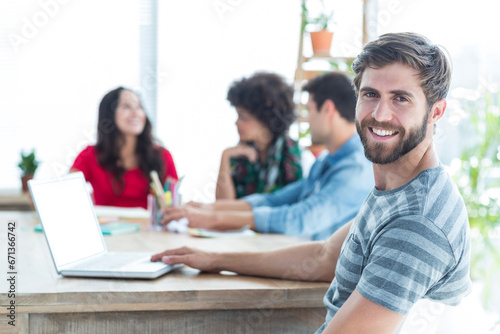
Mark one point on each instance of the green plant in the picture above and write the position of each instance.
(344, 65)
(320, 21)
(28, 164)
(323, 20)
(477, 177)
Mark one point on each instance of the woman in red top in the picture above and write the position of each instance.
(118, 166)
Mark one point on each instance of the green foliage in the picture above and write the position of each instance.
(320, 22)
(343, 66)
(304, 16)
(28, 163)
(478, 179)
(323, 20)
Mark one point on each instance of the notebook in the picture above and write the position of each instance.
(74, 236)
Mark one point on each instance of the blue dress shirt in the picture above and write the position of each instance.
(327, 199)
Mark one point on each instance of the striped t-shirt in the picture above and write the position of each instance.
(405, 244)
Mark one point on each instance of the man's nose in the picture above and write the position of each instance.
(382, 112)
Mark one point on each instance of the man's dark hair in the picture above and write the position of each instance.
(413, 50)
(336, 87)
(268, 98)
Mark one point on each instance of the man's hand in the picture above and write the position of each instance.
(194, 258)
(198, 218)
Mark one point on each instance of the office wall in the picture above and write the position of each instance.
(67, 53)
(203, 47)
(60, 57)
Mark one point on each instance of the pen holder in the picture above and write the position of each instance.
(155, 214)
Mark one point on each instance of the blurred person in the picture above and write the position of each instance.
(266, 159)
(314, 207)
(118, 166)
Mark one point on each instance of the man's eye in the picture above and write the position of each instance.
(401, 99)
(369, 94)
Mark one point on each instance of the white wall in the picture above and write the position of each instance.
(199, 60)
(78, 50)
(66, 56)
(51, 87)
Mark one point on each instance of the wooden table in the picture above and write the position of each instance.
(185, 301)
(15, 200)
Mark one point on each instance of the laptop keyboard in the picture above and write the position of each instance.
(110, 261)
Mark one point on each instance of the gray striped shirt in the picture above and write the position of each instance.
(405, 244)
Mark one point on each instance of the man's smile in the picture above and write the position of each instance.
(382, 133)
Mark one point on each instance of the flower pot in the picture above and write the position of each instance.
(316, 149)
(24, 181)
(321, 42)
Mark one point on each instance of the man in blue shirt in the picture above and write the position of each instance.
(317, 206)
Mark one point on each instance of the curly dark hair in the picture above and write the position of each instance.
(268, 98)
(110, 140)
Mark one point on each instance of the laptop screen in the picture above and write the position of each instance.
(68, 219)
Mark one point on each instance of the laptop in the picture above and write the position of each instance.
(74, 236)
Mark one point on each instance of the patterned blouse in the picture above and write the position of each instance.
(282, 166)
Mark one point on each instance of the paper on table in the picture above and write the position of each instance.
(114, 211)
(244, 232)
(178, 226)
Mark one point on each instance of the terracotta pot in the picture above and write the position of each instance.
(24, 181)
(321, 42)
(316, 149)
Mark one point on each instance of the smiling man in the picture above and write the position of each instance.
(410, 239)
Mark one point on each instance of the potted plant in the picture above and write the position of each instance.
(28, 166)
(321, 38)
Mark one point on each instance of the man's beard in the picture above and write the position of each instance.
(376, 152)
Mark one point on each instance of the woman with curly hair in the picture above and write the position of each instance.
(266, 158)
(118, 166)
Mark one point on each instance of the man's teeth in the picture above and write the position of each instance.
(383, 133)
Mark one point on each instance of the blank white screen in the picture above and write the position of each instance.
(68, 220)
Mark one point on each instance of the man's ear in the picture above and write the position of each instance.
(329, 107)
(437, 111)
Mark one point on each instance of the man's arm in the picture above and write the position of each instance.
(336, 203)
(230, 213)
(231, 205)
(314, 261)
(361, 315)
(212, 217)
(223, 205)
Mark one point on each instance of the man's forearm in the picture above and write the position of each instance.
(231, 205)
(230, 220)
(313, 261)
(305, 262)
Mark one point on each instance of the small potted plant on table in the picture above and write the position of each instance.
(28, 166)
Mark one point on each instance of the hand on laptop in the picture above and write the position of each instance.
(200, 218)
(194, 258)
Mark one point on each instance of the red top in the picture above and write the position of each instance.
(136, 184)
